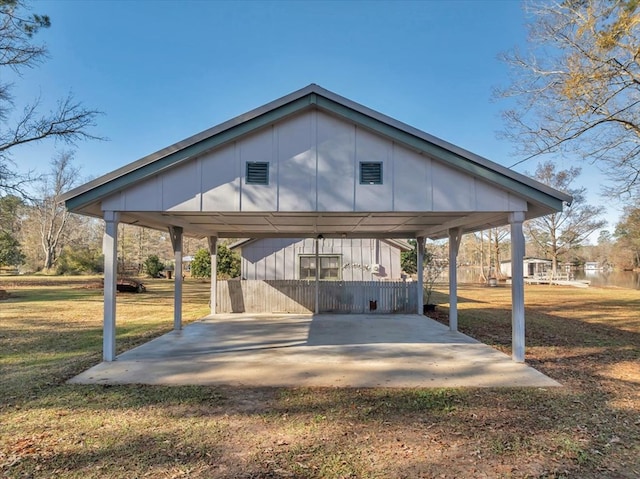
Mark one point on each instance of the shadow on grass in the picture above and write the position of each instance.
(583, 430)
(158, 452)
(159, 425)
(549, 326)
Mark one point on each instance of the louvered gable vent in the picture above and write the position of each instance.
(257, 173)
(370, 173)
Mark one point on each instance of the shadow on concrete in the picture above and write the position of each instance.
(323, 350)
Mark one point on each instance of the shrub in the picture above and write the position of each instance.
(201, 264)
(228, 263)
(153, 266)
(79, 260)
(10, 252)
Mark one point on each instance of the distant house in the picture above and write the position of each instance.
(531, 267)
(592, 266)
(343, 259)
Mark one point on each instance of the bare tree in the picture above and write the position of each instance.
(558, 233)
(489, 258)
(69, 121)
(577, 88)
(479, 255)
(52, 215)
(498, 244)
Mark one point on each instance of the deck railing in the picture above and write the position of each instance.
(298, 296)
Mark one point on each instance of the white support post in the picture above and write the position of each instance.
(176, 241)
(517, 287)
(213, 251)
(455, 235)
(110, 251)
(317, 259)
(420, 268)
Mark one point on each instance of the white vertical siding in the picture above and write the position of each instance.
(452, 190)
(221, 180)
(335, 144)
(412, 181)
(313, 166)
(147, 196)
(278, 296)
(181, 188)
(297, 165)
(277, 258)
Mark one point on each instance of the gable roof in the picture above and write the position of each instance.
(538, 199)
(312, 96)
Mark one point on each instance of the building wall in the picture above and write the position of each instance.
(314, 163)
(530, 268)
(277, 258)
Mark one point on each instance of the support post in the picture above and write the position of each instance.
(455, 235)
(213, 251)
(110, 251)
(317, 259)
(176, 241)
(517, 286)
(420, 268)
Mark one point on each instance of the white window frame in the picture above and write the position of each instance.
(312, 257)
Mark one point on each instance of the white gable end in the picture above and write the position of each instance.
(313, 165)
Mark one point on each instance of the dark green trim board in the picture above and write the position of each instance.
(173, 159)
(440, 153)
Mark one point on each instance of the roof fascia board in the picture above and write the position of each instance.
(76, 201)
(203, 135)
(291, 104)
(441, 143)
(241, 243)
(553, 200)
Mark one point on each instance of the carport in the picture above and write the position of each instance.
(314, 164)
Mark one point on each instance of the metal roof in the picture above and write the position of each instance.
(541, 198)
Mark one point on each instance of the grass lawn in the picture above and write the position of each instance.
(50, 330)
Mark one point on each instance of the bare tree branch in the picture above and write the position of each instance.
(52, 215)
(70, 121)
(577, 89)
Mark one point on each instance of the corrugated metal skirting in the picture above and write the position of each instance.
(296, 296)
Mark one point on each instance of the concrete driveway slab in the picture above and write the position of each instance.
(323, 350)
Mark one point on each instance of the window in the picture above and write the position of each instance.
(370, 173)
(257, 173)
(329, 267)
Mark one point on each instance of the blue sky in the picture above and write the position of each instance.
(162, 71)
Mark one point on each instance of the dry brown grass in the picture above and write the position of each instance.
(586, 339)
